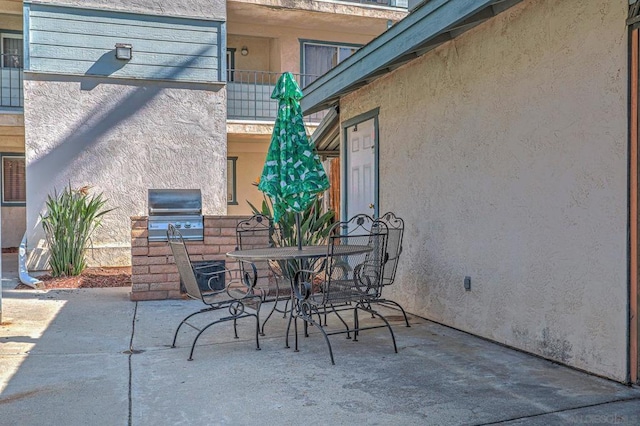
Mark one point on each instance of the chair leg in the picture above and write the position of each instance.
(193, 345)
(356, 324)
(295, 330)
(346, 326)
(175, 335)
(326, 339)
(396, 304)
(268, 316)
(324, 333)
(184, 321)
(286, 339)
(257, 331)
(286, 308)
(393, 337)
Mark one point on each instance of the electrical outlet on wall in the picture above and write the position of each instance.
(467, 283)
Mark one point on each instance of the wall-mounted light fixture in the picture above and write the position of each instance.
(244, 51)
(123, 51)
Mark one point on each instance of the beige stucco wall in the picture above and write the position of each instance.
(284, 51)
(251, 155)
(187, 8)
(13, 225)
(122, 139)
(12, 140)
(258, 56)
(10, 22)
(12, 7)
(272, 31)
(249, 143)
(11, 134)
(505, 151)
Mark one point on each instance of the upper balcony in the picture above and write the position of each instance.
(364, 17)
(249, 95)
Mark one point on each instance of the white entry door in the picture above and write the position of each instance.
(361, 182)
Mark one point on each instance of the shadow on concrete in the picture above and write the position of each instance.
(96, 342)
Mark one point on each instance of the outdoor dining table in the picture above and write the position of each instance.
(305, 253)
(295, 253)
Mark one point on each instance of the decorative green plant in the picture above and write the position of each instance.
(314, 227)
(70, 219)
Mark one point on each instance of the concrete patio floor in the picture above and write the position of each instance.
(78, 357)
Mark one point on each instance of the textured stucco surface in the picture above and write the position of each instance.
(189, 8)
(284, 53)
(251, 156)
(11, 22)
(505, 151)
(121, 139)
(273, 38)
(13, 225)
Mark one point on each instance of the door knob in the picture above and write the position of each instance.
(371, 205)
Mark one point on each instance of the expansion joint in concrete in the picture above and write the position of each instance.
(131, 352)
(564, 410)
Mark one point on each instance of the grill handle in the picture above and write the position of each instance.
(173, 211)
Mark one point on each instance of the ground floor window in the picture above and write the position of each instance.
(14, 190)
(232, 196)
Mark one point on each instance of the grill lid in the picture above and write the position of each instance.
(175, 201)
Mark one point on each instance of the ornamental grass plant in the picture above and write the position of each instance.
(70, 219)
(315, 226)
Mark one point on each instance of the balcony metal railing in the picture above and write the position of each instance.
(11, 81)
(249, 95)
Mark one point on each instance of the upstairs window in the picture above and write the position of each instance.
(320, 57)
(11, 47)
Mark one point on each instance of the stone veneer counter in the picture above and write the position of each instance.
(154, 275)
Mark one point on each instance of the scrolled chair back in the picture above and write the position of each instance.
(259, 231)
(395, 228)
(357, 275)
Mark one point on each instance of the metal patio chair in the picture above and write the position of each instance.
(230, 289)
(395, 229)
(350, 279)
(259, 231)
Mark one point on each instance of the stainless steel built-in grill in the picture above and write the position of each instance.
(180, 207)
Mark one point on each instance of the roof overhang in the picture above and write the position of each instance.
(326, 137)
(428, 26)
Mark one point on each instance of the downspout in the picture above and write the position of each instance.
(25, 278)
